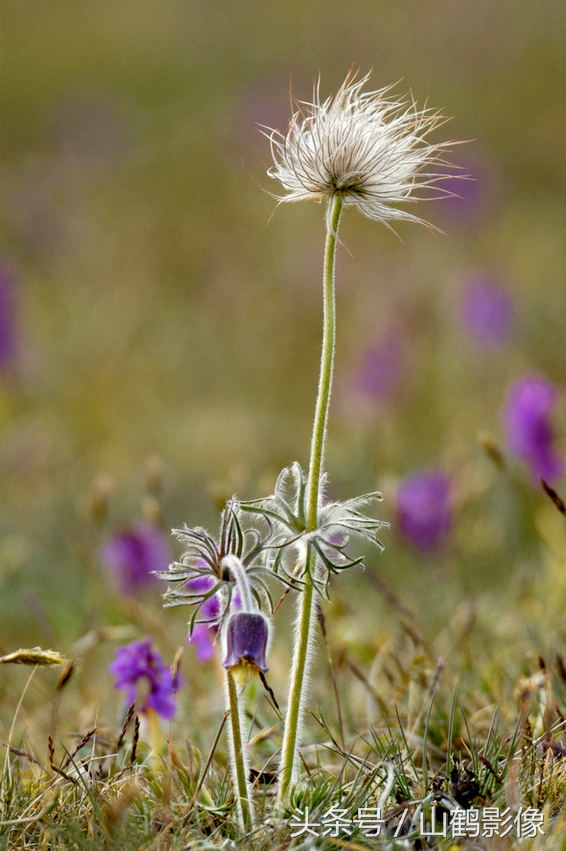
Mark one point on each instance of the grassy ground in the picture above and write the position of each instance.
(168, 333)
(470, 713)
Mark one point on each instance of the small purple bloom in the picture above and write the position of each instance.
(203, 634)
(465, 196)
(529, 429)
(8, 335)
(202, 637)
(133, 554)
(470, 192)
(487, 312)
(205, 630)
(383, 367)
(424, 510)
(247, 635)
(139, 670)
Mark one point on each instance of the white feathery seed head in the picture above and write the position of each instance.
(367, 147)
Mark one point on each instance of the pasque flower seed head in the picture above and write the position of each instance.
(365, 146)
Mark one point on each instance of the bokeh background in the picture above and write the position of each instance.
(161, 318)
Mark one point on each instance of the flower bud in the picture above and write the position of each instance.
(247, 635)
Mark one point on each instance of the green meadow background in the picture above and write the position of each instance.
(168, 318)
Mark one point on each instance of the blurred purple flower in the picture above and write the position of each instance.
(382, 367)
(203, 634)
(529, 430)
(487, 312)
(8, 334)
(469, 191)
(133, 554)
(139, 670)
(203, 638)
(424, 510)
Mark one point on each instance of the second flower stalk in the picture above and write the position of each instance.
(246, 639)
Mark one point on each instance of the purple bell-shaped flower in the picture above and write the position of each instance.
(247, 636)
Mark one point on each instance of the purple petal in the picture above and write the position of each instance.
(530, 434)
(139, 671)
(424, 510)
(487, 312)
(134, 554)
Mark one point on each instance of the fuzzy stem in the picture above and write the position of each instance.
(238, 571)
(318, 439)
(307, 600)
(238, 765)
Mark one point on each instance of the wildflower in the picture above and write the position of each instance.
(204, 571)
(204, 632)
(133, 555)
(423, 506)
(139, 670)
(8, 338)
(529, 428)
(247, 631)
(468, 200)
(364, 146)
(383, 367)
(487, 312)
(247, 636)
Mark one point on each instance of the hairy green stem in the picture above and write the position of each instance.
(318, 440)
(307, 599)
(242, 788)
